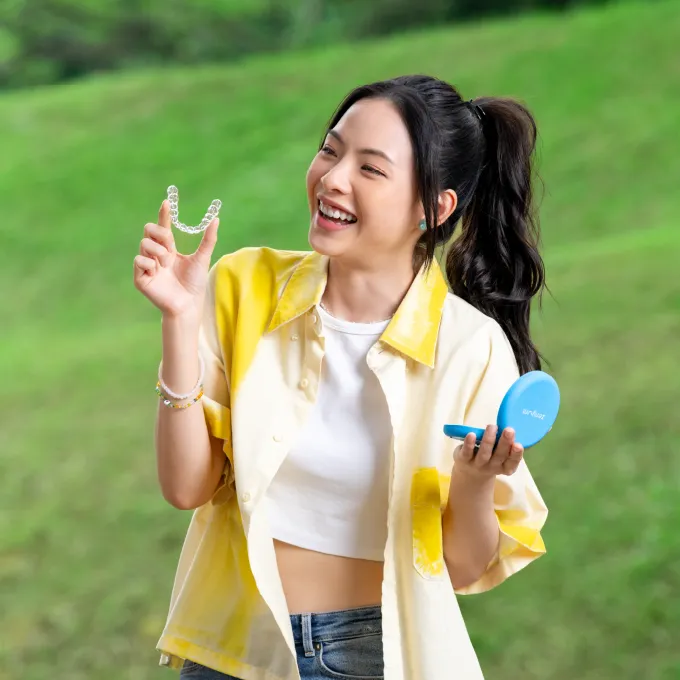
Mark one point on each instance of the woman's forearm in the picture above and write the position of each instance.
(470, 528)
(189, 464)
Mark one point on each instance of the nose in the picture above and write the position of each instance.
(337, 179)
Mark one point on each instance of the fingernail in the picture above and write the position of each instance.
(509, 432)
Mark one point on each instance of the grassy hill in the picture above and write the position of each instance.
(89, 548)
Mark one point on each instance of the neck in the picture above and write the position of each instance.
(365, 295)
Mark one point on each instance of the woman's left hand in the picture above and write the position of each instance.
(488, 462)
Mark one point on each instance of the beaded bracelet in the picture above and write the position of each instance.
(171, 404)
(196, 387)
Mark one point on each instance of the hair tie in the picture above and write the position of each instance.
(475, 108)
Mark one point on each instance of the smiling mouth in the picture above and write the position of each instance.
(335, 215)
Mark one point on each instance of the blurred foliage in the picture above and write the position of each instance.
(45, 41)
(88, 546)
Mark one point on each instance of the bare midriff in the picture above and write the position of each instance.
(315, 582)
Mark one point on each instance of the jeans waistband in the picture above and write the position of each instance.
(336, 625)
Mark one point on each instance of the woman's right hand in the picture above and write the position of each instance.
(174, 283)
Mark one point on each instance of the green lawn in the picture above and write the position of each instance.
(89, 547)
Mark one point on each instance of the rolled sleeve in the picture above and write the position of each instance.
(216, 397)
(520, 510)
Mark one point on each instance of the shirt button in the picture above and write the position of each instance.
(313, 318)
(245, 497)
(303, 383)
(294, 337)
(277, 437)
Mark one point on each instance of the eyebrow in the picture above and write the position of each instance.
(369, 152)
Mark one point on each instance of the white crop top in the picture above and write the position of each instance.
(330, 493)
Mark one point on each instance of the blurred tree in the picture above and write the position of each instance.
(301, 20)
(45, 41)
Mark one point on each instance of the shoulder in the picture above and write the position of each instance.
(462, 321)
(253, 271)
(248, 262)
(250, 279)
(466, 328)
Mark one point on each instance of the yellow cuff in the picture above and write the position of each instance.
(518, 546)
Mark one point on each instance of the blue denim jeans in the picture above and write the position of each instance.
(345, 645)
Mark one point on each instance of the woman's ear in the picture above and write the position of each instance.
(448, 200)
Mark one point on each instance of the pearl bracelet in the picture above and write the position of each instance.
(197, 386)
(172, 404)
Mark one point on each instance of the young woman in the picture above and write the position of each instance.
(334, 523)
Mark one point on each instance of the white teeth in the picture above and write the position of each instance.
(336, 214)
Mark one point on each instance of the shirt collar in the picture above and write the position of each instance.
(413, 329)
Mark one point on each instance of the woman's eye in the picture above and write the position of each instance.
(327, 150)
(372, 170)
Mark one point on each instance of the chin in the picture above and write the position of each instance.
(326, 243)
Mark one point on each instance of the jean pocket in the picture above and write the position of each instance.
(359, 658)
(190, 669)
(194, 671)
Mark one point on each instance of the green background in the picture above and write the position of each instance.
(47, 41)
(88, 546)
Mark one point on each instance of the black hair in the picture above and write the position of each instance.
(484, 151)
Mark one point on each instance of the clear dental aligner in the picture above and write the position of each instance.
(210, 215)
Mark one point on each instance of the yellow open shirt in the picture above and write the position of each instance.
(439, 361)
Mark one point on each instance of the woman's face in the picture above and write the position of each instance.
(365, 171)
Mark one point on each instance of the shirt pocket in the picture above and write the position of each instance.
(426, 517)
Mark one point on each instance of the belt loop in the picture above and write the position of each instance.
(306, 621)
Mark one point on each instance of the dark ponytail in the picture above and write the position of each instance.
(495, 263)
(482, 149)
